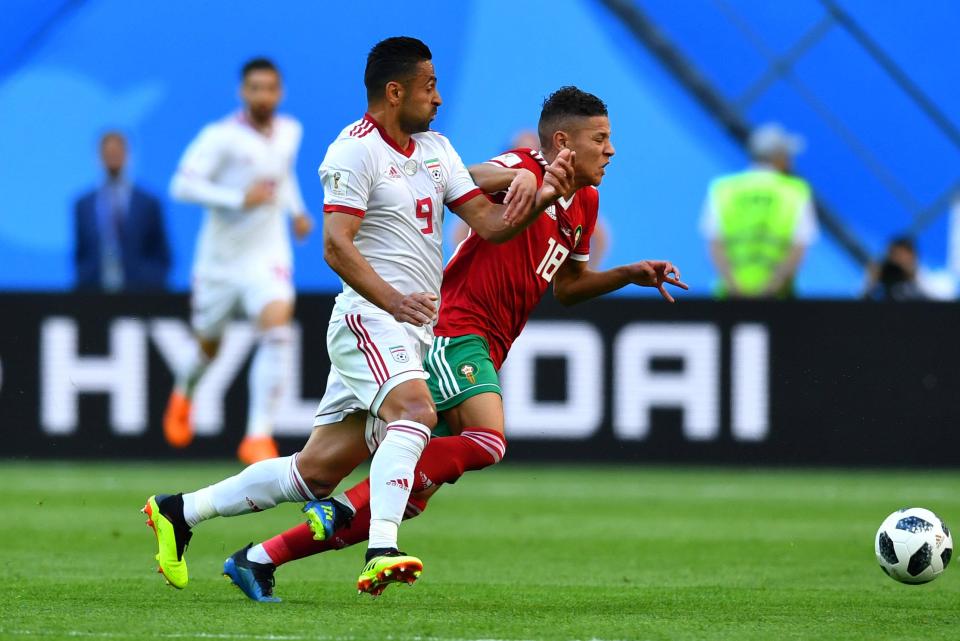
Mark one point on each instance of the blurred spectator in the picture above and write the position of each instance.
(121, 242)
(760, 221)
(599, 241)
(899, 276)
(895, 278)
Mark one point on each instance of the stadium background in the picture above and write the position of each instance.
(720, 490)
(880, 161)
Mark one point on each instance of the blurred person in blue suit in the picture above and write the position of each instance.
(121, 243)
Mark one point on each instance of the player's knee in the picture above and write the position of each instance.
(417, 408)
(316, 471)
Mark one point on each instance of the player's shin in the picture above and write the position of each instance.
(446, 458)
(260, 486)
(391, 479)
(190, 371)
(298, 542)
(269, 376)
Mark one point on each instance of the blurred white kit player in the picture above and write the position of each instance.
(242, 170)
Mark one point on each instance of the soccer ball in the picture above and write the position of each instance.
(913, 545)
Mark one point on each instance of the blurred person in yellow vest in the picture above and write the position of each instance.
(759, 222)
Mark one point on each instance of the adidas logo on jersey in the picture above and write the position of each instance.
(393, 173)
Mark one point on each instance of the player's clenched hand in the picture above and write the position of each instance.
(520, 195)
(417, 308)
(302, 225)
(657, 273)
(558, 176)
(259, 193)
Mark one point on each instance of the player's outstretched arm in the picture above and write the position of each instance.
(500, 223)
(341, 254)
(574, 282)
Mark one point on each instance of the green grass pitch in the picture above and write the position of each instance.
(517, 552)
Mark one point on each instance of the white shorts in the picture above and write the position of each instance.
(215, 301)
(370, 354)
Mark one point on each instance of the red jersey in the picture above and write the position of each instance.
(490, 289)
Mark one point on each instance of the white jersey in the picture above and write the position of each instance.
(217, 169)
(400, 195)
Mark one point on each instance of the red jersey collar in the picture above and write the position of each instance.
(390, 141)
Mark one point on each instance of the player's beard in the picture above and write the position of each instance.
(413, 125)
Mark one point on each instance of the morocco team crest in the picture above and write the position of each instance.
(576, 235)
(399, 354)
(468, 371)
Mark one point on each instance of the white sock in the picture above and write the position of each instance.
(344, 501)
(391, 475)
(260, 486)
(258, 554)
(269, 374)
(190, 371)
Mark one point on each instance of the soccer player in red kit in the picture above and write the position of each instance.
(488, 293)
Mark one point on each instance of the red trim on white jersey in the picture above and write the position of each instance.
(361, 129)
(344, 209)
(365, 345)
(470, 195)
(390, 141)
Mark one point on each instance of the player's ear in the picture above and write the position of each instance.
(394, 93)
(560, 140)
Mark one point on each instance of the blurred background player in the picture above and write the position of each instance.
(599, 243)
(120, 237)
(759, 222)
(242, 169)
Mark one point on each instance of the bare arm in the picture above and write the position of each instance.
(343, 257)
(722, 263)
(575, 282)
(500, 223)
(785, 271)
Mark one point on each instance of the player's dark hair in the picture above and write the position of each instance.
(258, 64)
(563, 104)
(112, 134)
(393, 59)
(903, 242)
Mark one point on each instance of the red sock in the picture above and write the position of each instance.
(446, 458)
(298, 542)
(295, 543)
(359, 494)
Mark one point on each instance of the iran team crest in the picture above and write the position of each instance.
(468, 371)
(399, 354)
(435, 168)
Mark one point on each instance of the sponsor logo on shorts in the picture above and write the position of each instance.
(468, 371)
(253, 506)
(399, 354)
(403, 484)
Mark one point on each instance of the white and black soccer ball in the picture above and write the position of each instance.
(913, 545)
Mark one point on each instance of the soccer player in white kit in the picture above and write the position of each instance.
(242, 169)
(386, 181)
